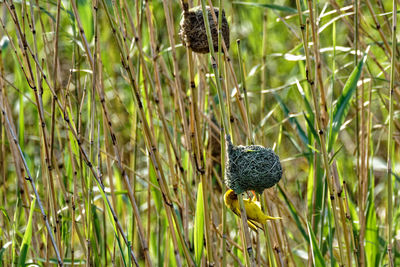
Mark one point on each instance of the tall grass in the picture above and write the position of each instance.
(112, 134)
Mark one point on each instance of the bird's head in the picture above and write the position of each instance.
(230, 196)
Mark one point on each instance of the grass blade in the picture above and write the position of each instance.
(318, 259)
(342, 106)
(199, 226)
(371, 229)
(26, 241)
(286, 111)
(270, 6)
(294, 212)
(315, 192)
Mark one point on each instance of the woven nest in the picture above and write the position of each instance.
(251, 168)
(193, 32)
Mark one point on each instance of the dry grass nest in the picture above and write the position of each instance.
(193, 32)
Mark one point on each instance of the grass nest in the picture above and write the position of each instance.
(193, 31)
(251, 168)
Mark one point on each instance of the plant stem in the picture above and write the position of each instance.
(247, 244)
(247, 241)
(390, 137)
(246, 101)
(29, 178)
(320, 117)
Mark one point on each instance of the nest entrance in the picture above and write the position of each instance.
(193, 31)
(251, 168)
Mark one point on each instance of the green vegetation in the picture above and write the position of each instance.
(112, 133)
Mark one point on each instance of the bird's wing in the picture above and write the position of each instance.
(252, 224)
(255, 214)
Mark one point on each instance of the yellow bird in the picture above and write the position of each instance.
(255, 217)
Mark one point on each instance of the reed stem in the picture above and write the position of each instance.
(390, 145)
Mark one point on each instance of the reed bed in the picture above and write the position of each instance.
(113, 133)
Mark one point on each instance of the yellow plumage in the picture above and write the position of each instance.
(255, 217)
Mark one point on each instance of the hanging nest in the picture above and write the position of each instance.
(193, 32)
(251, 168)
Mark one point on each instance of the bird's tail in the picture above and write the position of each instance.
(272, 218)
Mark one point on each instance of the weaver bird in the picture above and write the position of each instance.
(255, 217)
